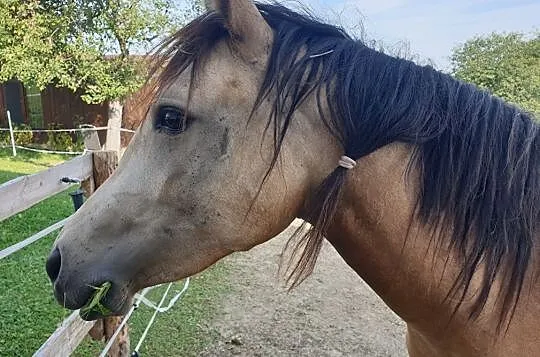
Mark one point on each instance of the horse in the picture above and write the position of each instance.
(428, 187)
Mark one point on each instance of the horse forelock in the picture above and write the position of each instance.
(479, 157)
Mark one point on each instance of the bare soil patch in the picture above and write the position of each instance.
(333, 313)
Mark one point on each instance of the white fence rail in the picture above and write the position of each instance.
(25, 191)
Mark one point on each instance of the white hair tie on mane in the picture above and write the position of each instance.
(347, 162)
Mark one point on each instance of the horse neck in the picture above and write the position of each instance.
(376, 233)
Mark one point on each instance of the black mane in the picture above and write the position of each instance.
(479, 157)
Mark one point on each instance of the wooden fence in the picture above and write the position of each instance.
(21, 193)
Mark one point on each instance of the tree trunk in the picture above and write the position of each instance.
(113, 126)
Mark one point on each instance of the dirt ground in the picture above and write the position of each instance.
(333, 313)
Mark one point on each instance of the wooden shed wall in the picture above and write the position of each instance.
(62, 106)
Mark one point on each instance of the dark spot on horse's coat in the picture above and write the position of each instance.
(224, 143)
(168, 231)
(236, 37)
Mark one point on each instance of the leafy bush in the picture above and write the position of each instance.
(505, 64)
(4, 138)
(78, 145)
(25, 137)
(60, 141)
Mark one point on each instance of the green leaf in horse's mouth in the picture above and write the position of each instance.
(94, 303)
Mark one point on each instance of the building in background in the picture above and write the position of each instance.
(53, 105)
(61, 107)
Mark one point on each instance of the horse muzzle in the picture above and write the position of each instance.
(73, 289)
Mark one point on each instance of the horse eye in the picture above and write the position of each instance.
(171, 119)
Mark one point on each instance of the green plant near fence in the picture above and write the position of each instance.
(58, 141)
(22, 138)
(63, 141)
(4, 138)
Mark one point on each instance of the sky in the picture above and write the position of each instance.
(431, 28)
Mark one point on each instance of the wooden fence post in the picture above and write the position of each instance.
(105, 162)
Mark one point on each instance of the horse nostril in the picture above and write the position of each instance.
(53, 265)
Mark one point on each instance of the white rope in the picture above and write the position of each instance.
(143, 336)
(140, 298)
(50, 151)
(347, 162)
(171, 303)
(18, 246)
(126, 130)
(57, 130)
(158, 309)
(321, 54)
(124, 321)
(67, 130)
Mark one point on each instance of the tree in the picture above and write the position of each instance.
(84, 45)
(508, 65)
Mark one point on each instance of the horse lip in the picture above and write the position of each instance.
(67, 300)
(116, 304)
(115, 301)
(94, 315)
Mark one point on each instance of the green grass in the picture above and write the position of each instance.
(28, 311)
(24, 163)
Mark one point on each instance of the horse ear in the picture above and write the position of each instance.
(251, 36)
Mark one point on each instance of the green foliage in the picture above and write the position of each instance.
(65, 42)
(4, 138)
(64, 141)
(95, 304)
(23, 138)
(78, 144)
(59, 141)
(508, 65)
